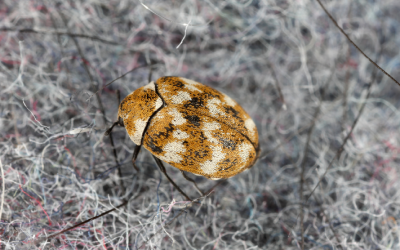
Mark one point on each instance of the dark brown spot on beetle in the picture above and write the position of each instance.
(201, 154)
(153, 147)
(202, 137)
(226, 143)
(193, 119)
(178, 84)
(165, 134)
(195, 102)
(231, 111)
(234, 163)
(208, 95)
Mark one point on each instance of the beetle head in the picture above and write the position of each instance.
(137, 108)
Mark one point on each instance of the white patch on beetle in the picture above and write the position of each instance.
(229, 101)
(163, 90)
(192, 88)
(180, 97)
(191, 82)
(178, 118)
(249, 124)
(244, 150)
(179, 134)
(159, 103)
(172, 150)
(210, 166)
(212, 107)
(158, 117)
(208, 127)
(140, 125)
(150, 86)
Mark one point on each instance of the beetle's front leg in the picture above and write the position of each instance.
(135, 154)
(119, 122)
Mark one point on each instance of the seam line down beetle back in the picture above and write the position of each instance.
(191, 126)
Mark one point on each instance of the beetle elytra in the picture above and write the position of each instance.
(193, 127)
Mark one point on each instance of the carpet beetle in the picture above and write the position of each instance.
(190, 126)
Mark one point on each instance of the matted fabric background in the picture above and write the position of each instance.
(322, 111)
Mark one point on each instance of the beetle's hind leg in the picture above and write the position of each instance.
(192, 181)
(162, 168)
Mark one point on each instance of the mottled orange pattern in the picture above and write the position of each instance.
(136, 110)
(197, 129)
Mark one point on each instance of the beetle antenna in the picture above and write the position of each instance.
(142, 66)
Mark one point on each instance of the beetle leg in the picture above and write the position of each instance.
(118, 122)
(134, 156)
(162, 168)
(108, 131)
(192, 181)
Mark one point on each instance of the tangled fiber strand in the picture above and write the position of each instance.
(284, 61)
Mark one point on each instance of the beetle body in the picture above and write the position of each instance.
(191, 126)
